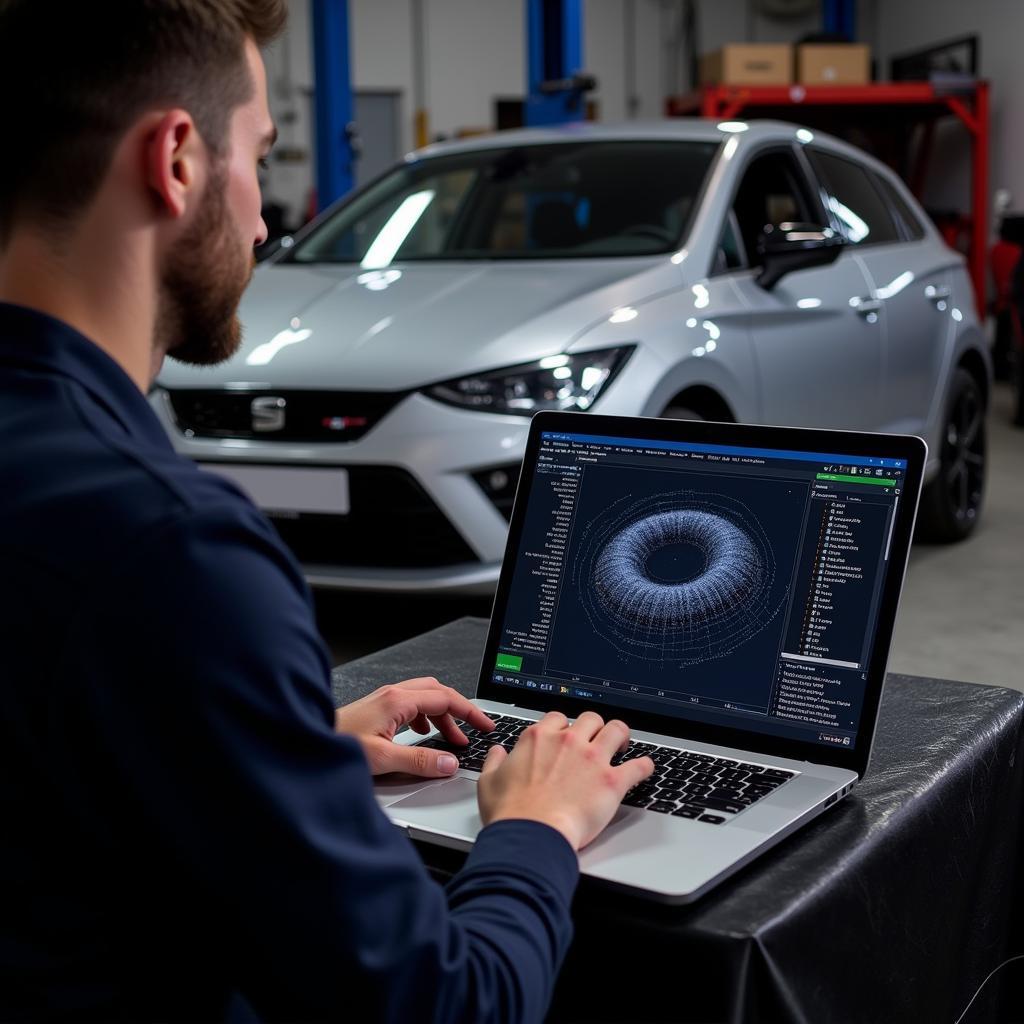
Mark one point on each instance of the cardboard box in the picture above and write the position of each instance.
(833, 64)
(748, 64)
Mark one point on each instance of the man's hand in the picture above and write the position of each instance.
(561, 775)
(374, 720)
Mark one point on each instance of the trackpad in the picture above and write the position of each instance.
(450, 809)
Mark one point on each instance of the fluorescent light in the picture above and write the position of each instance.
(895, 286)
(733, 127)
(548, 362)
(262, 354)
(390, 237)
(378, 280)
(623, 315)
(701, 296)
(858, 228)
(808, 303)
(804, 135)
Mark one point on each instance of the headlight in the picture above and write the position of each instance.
(555, 382)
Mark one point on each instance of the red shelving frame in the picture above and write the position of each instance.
(914, 102)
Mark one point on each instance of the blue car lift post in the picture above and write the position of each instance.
(554, 48)
(837, 17)
(335, 128)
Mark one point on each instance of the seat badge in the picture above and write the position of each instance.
(268, 413)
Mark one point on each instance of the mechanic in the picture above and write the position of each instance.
(189, 830)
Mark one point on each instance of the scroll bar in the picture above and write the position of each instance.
(892, 524)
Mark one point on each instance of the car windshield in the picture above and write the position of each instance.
(579, 199)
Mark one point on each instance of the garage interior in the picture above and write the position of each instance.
(721, 286)
(424, 71)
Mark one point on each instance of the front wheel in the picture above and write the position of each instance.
(951, 503)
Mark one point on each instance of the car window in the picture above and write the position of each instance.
(909, 221)
(730, 254)
(854, 200)
(773, 190)
(618, 198)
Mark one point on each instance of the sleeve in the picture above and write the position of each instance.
(200, 670)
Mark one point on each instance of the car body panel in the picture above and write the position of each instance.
(803, 353)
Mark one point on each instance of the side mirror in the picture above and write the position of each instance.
(787, 247)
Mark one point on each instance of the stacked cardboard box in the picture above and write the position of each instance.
(773, 64)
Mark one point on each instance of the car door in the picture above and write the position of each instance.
(909, 284)
(818, 357)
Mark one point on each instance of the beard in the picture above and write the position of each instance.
(202, 282)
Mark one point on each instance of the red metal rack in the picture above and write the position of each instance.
(885, 114)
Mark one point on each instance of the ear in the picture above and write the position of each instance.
(174, 158)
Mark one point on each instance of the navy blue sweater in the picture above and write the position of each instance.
(183, 833)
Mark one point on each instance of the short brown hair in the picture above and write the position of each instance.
(75, 75)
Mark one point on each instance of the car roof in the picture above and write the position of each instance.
(683, 129)
(692, 129)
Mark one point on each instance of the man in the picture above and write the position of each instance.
(185, 833)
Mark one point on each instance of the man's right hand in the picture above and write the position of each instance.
(561, 775)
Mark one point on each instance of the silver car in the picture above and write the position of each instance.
(396, 349)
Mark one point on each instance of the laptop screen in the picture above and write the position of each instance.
(727, 585)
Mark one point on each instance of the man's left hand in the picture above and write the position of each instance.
(374, 720)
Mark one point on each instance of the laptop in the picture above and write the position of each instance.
(730, 593)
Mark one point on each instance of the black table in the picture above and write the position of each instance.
(894, 906)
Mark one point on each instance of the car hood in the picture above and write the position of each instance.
(396, 329)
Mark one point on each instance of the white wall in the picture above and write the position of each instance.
(474, 52)
(902, 25)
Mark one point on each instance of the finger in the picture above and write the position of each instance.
(495, 756)
(589, 724)
(443, 700)
(420, 724)
(386, 756)
(553, 721)
(447, 727)
(611, 738)
(437, 699)
(480, 721)
(634, 771)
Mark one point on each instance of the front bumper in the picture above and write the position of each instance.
(419, 521)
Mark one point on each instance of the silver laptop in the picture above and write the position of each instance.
(730, 593)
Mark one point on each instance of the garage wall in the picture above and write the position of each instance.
(1000, 23)
(473, 51)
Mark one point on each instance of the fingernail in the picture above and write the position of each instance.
(446, 764)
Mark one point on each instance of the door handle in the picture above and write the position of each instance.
(937, 296)
(867, 307)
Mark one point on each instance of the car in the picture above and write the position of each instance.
(396, 348)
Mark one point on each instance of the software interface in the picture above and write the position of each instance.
(735, 586)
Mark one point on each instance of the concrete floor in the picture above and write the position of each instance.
(962, 615)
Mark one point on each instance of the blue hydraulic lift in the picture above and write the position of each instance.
(335, 127)
(837, 17)
(557, 85)
(554, 58)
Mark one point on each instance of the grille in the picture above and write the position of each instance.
(393, 524)
(327, 416)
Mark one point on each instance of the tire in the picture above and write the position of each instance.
(681, 412)
(951, 503)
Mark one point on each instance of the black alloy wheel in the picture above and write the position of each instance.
(951, 503)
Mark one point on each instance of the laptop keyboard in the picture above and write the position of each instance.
(685, 783)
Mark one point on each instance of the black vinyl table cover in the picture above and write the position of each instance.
(892, 906)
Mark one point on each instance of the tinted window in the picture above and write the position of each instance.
(772, 191)
(856, 203)
(528, 202)
(909, 221)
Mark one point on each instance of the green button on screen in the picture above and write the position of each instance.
(509, 661)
